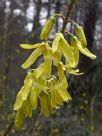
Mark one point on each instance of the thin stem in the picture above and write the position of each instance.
(59, 15)
(9, 128)
(70, 6)
(71, 21)
(68, 33)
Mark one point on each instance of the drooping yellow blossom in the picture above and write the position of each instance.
(61, 43)
(59, 93)
(84, 50)
(40, 83)
(41, 49)
(75, 49)
(19, 101)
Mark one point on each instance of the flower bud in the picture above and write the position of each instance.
(47, 28)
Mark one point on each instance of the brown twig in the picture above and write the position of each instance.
(70, 6)
(9, 128)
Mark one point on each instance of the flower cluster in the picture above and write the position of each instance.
(40, 84)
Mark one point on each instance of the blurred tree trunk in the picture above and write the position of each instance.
(57, 11)
(91, 17)
(36, 23)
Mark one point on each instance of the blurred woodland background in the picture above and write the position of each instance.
(21, 22)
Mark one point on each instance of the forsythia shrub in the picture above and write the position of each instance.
(40, 84)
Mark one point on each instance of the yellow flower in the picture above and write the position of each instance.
(60, 42)
(58, 91)
(41, 49)
(45, 102)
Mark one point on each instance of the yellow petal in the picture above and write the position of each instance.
(41, 84)
(33, 98)
(80, 33)
(66, 49)
(48, 67)
(64, 94)
(25, 93)
(27, 108)
(19, 101)
(47, 28)
(56, 99)
(85, 51)
(29, 46)
(39, 71)
(74, 72)
(55, 43)
(59, 93)
(45, 105)
(27, 86)
(75, 49)
(57, 57)
(62, 77)
(92, 56)
(59, 96)
(47, 61)
(32, 58)
(19, 120)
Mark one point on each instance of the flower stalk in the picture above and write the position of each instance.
(71, 3)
